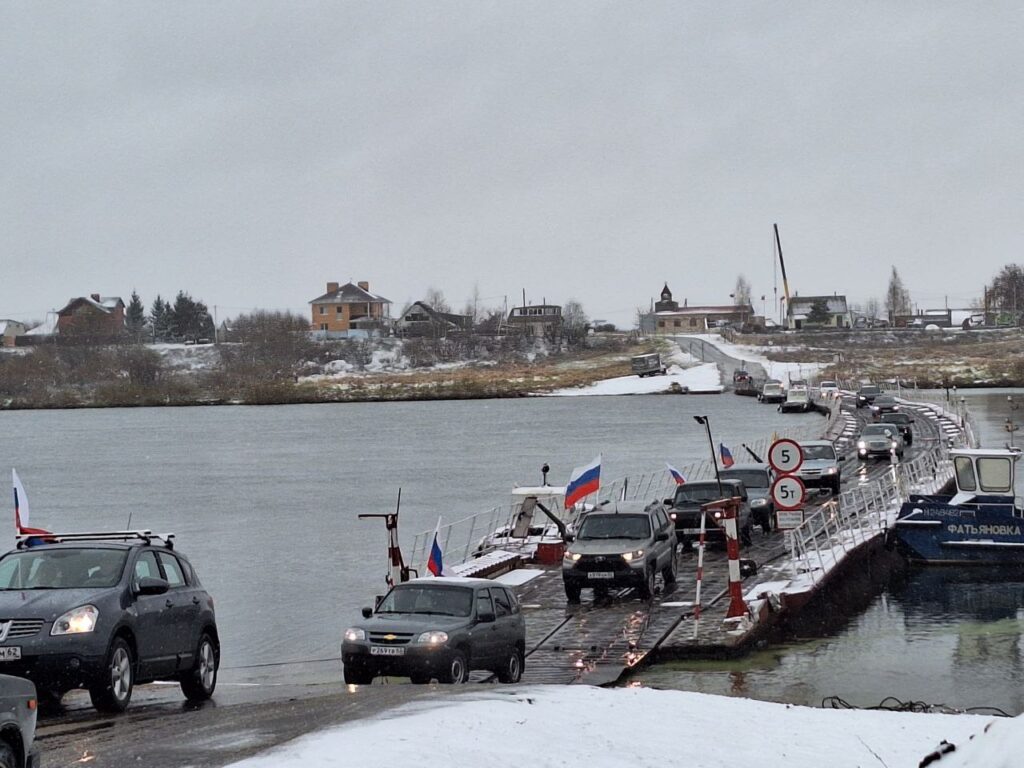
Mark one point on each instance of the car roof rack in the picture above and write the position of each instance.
(143, 537)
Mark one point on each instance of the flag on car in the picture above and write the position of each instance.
(676, 474)
(726, 455)
(583, 481)
(435, 563)
(21, 511)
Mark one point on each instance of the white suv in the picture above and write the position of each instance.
(821, 465)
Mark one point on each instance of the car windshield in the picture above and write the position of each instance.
(699, 494)
(436, 600)
(818, 452)
(751, 478)
(895, 418)
(615, 527)
(63, 568)
(878, 429)
(828, 385)
(885, 400)
(870, 390)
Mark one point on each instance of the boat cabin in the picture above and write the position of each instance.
(983, 472)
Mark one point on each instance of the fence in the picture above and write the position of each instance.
(867, 511)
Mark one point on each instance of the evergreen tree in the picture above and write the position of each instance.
(190, 319)
(135, 316)
(160, 319)
(819, 312)
(897, 297)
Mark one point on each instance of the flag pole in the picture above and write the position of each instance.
(711, 444)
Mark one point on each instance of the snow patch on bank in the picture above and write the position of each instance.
(784, 372)
(588, 727)
(702, 378)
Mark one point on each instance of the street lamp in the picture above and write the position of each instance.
(714, 458)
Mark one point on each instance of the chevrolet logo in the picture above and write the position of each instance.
(389, 638)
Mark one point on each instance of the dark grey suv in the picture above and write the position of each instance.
(104, 612)
(626, 546)
(438, 628)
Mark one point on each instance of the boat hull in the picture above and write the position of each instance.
(989, 532)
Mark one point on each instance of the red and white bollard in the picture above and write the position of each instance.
(737, 607)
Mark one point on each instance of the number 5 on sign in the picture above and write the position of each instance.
(788, 492)
(785, 456)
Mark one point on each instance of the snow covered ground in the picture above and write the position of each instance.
(782, 371)
(682, 370)
(570, 726)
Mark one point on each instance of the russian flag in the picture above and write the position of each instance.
(676, 474)
(435, 563)
(726, 456)
(583, 481)
(21, 512)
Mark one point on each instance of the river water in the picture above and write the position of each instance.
(264, 500)
(936, 635)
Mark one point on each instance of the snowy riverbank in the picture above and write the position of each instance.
(570, 726)
(684, 373)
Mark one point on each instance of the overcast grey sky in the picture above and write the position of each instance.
(249, 152)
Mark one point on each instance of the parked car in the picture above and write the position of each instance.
(626, 546)
(648, 365)
(798, 400)
(902, 421)
(105, 612)
(438, 628)
(685, 510)
(866, 395)
(18, 711)
(772, 392)
(757, 480)
(828, 388)
(884, 404)
(820, 468)
(879, 440)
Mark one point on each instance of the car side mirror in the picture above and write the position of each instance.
(485, 617)
(668, 502)
(150, 585)
(367, 611)
(663, 536)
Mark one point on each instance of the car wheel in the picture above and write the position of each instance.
(419, 679)
(668, 573)
(572, 593)
(646, 590)
(745, 535)
(835, 486)
(198, 683)
(457, 671)
(7, 756)
(512, 672)
(357, 676)
(115, 690)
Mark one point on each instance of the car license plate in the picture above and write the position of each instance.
(600, 575)
(10, 653)
(386, 650)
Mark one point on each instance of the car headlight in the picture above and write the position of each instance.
(572, 557)
(861, 444)
(76, 621)
(434, 637)
(830, 471)
(672, 515)
(354, 634)
(894, 444)
(636, 554)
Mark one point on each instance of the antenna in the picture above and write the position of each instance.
(128, 527)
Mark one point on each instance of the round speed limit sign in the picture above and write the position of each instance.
(785, 456)
(788, 492)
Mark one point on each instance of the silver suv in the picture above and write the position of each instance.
(820, 468)
(626, 546)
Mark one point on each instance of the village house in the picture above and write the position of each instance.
(669, 317)
(94, 315)
(9, 331)
(817, 312)
(420, 319)
(349, 310)
(538, 320)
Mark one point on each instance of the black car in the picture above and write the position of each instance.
(438, 628)
(757, 479)
(18, 711)
(685, 510)
(883, 404)
(104, 612)
(903, 423)
(866, 395)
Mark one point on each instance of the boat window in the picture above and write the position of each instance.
(965, 473)
(995, 474)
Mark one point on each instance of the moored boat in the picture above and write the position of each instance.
(981, 524)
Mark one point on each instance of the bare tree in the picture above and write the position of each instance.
(872, 308)
(435, 300)
(741, 293)
(473, 307)
(897, 297)
(574, 321)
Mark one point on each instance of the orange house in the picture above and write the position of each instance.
(347, 308)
